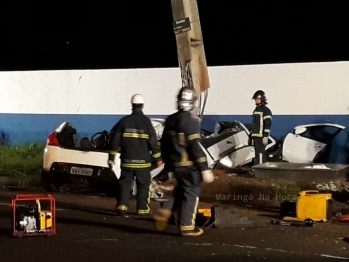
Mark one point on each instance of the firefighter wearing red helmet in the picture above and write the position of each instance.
(262, 121)
(136, 139)
(184, 157)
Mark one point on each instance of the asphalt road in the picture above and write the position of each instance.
(88, 230)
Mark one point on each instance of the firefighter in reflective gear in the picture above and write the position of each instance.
(135, 138)
(184, 157)
(262, 120)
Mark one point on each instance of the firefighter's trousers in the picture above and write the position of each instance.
(259, 148)
(143, 178)
(185, 197)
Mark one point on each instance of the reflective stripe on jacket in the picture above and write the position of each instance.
(180, 142)
(136, 137)
(262, 119)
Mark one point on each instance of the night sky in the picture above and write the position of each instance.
(136, 33)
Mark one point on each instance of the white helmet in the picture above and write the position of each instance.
(137, 99)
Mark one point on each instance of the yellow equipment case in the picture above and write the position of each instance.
(312, 205)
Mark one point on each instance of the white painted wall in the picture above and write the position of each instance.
(292, 89)
(309, 88)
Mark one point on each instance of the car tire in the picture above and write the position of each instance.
(110, 191)
(106, 187)
(48, 183)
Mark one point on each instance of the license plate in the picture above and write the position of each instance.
(81, 171)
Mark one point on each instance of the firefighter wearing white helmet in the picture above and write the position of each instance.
(262, 120)
(137, 99)
(135, 139)
(182, 155)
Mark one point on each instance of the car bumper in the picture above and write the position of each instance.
(78, 162)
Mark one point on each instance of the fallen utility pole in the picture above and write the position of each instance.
(190, 48)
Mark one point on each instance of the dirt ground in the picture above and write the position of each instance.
(242, 189)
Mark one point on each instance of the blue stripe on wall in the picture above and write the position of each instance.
(29, 128)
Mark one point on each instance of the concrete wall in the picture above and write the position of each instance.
(34, 103)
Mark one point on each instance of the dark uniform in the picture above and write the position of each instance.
(262, 119)
(183, 156)
(136, 138)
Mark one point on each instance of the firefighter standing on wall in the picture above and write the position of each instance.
(262, 119)
(184, 157)
(135, 138)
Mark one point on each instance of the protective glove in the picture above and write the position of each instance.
(265, 141)
(111, 164)
(207, 176)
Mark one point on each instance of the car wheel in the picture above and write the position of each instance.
(110, 191)
(108, 188)
(48, 183)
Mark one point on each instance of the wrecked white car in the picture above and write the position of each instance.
(67, 156)
(231, 146)
(308, 143)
